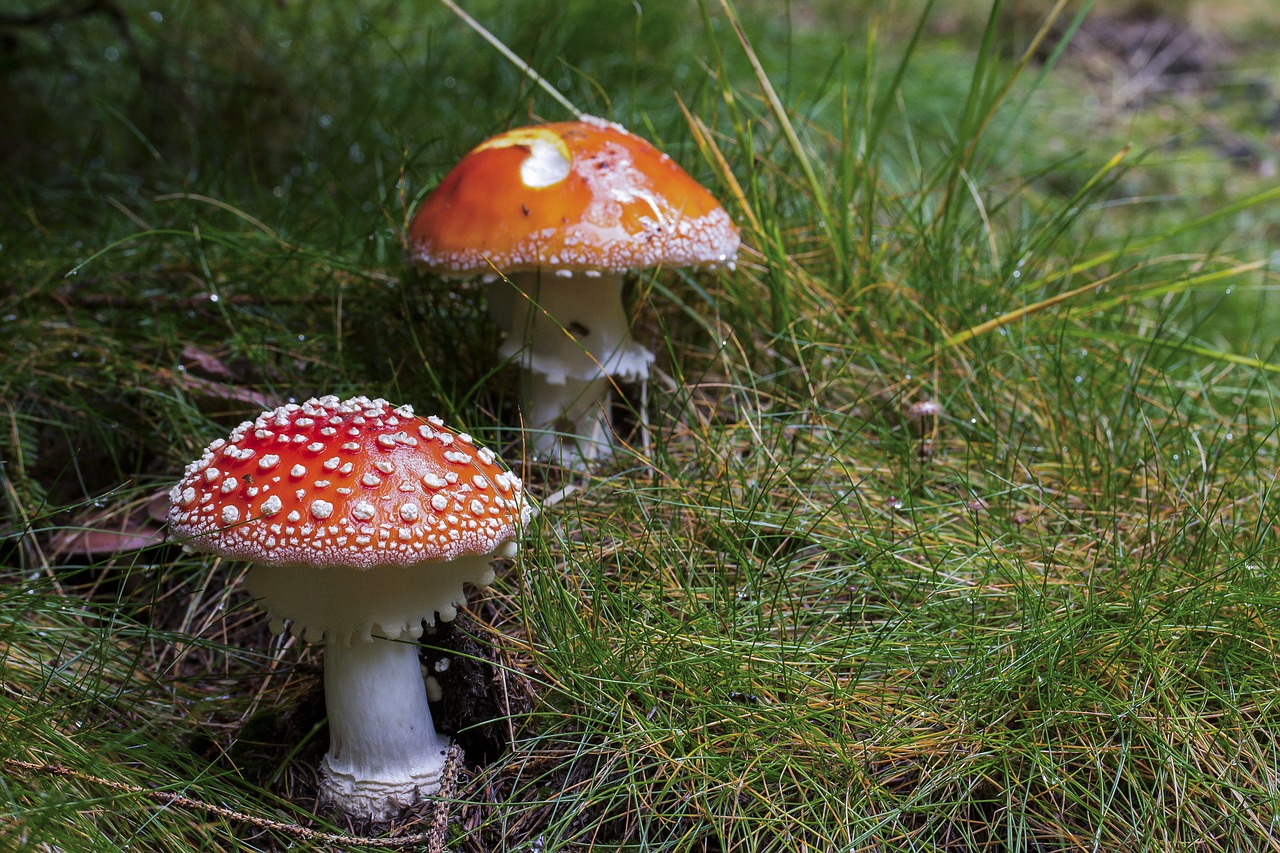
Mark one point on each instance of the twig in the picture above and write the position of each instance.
(438, 834)
(169, 799)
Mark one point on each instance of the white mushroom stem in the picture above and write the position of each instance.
(569, 331)
(384, 752)
(569, 418)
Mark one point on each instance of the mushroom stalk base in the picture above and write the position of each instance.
(569, 421)
(570, 333)
(384, 752)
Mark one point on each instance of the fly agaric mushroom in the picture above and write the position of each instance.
(564, 210)
(362, 522)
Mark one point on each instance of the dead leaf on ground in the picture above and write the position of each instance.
(113, 529)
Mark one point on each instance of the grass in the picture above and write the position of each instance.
(956, 525)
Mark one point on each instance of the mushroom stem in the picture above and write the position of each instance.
(569, 331)
(384, 752)
(569, 420)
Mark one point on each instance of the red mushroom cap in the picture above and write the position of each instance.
(356, 483)
(576, 196)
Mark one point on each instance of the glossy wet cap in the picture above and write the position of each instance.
(576, 196)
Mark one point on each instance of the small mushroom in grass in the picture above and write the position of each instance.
(363, 521)
(564, 210)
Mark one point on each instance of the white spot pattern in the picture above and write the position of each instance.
(475, 513)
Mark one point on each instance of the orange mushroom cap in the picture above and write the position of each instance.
(578, 196)
(356, 483)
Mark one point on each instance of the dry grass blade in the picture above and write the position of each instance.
(707, 145)
(817, 188)
(512, 57)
